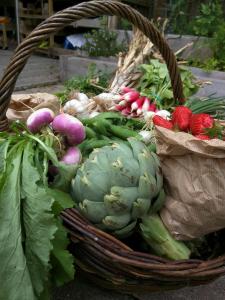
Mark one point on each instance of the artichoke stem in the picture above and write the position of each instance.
(161, 241)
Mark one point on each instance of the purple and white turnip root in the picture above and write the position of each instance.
(72, 156)
(70, 127)
(39, 119)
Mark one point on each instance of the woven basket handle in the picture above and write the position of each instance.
(75, 13)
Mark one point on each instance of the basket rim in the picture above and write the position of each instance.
(97, 241)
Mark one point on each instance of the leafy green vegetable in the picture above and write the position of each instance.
(37, 211)
(14, 269)
(61, 260)
(155, 83)
(33, 241)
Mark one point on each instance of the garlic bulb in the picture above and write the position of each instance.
(74, 107)
(82, 97)
(106, 100)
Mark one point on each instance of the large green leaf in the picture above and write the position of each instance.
(39, 223)
(61, 259)
(14, 274)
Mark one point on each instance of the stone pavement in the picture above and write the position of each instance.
(81, 289)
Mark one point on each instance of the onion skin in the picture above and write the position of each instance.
(39, 119)
(70, 127)
(72, 156)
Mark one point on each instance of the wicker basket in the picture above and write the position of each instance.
(103, 258)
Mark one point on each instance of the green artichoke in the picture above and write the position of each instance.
(117, 185)
(121, 183)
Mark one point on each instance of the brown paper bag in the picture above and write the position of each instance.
(22, 105)
(194, 174)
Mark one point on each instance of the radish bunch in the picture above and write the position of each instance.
(69, 127)
(133, 104)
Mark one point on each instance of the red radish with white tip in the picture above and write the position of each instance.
(137, 104)
(72, 156)
(126, 89)
(123, 103)
(146, 105)
(39, 119)
(70, 127)
(126, 111)
(119, 107)
(152, 107)
(131, 96)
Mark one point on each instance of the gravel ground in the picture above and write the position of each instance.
(81, 289)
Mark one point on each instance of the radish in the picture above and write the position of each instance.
(126, 89)
(119, 107)
(165, 114)
(70, 127)
(146, 105)
(152, 107)
(137, 104)
(39, 119)
(72, 156)
(131, 96)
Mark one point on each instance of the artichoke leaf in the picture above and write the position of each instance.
(159, 202)
(159, 181)
(147, 186)
(140, 207)
(146, 163)
(117, 222)
(93, 211)
(125, 231)
(120, 200)
(122, 148)
(137, 147)
(97, 159)
(124, 172)
(157, 162)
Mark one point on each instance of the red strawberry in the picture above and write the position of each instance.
(200, 122)
(159, 121)
(181, 117)
(202, 137)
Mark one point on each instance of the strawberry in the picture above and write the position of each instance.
(202, 137)
(159, 121)
(181, 118)
(200, 123)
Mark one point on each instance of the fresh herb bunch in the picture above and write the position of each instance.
(155, 83)
(91, 84)
(33, 241)
(102, 42)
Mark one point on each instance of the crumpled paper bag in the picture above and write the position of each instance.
(194, 181)
(22, 105)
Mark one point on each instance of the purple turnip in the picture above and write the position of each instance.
(72, 156)
(39, 119)
(70, 127)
